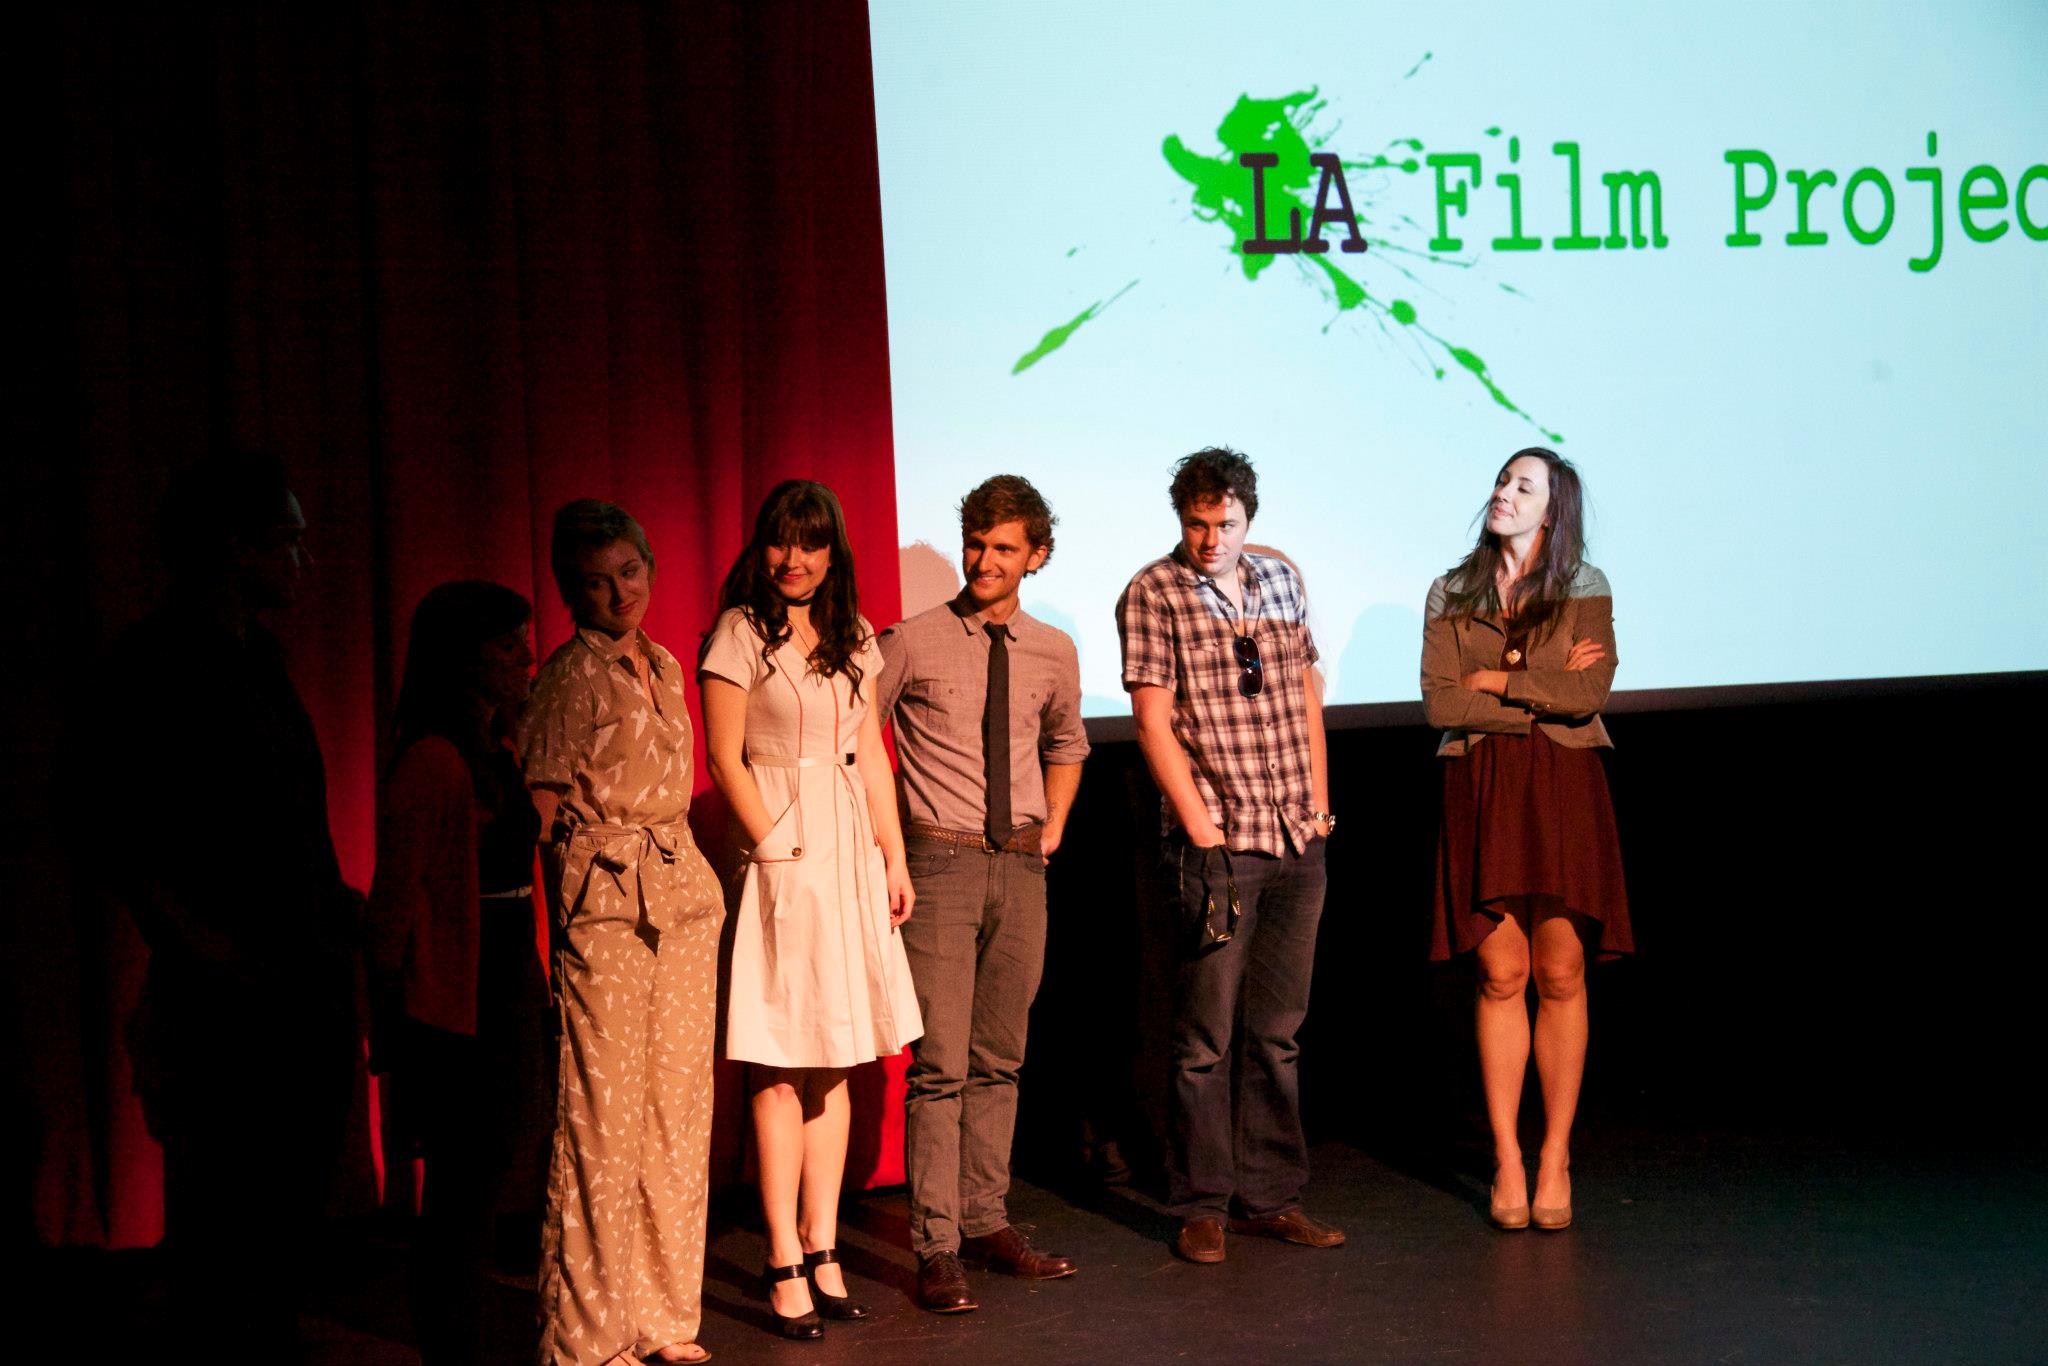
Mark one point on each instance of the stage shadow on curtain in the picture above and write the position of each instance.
(456, 265)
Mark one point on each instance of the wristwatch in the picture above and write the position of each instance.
(1326, 818)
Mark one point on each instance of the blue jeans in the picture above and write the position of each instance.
(1234, 1108)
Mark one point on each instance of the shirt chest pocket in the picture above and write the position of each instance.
(1283, 655)
(1210, 667)
(942, 709)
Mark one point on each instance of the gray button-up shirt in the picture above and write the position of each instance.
(934, 688)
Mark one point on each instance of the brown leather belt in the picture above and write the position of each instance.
(1023, 840)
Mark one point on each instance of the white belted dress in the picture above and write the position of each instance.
(817, 976)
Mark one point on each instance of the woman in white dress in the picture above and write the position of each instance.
(819, 980)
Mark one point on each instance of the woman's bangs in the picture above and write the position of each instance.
(807, 523)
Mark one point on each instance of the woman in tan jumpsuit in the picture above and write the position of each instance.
(606, 741)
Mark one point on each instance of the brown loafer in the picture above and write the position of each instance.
(942, 1284)
(1200, 1240)
(1010, 1251)
(1291, 1226)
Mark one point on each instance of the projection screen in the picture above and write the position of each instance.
(1771, 275)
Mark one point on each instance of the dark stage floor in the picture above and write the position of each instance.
(1686, 1250)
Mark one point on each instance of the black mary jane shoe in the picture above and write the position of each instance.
(831, 1306)
(805, 1326)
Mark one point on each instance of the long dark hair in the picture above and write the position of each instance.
(1538, 597)
(803, 513)
(438, 694)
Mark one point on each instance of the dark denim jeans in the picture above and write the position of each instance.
(977, 948)
(1234, 1108)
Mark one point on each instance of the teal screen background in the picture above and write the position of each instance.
(1805, 461)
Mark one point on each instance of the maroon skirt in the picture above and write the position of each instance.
(1526, 817)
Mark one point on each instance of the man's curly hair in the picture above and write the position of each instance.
(1210, 475)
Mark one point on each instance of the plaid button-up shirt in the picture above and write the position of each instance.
(1249, 755)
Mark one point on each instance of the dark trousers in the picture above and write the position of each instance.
(1234, 1106)
(248, 1088)
(977, 947)
(478, 1107)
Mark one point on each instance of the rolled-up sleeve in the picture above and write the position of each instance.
(1146, 635)
(1309, 653)
(555, 728)
(1062, 739)
(895, 673)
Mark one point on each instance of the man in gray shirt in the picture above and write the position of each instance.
(986, 704)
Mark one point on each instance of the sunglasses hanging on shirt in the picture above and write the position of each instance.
(1251, 677)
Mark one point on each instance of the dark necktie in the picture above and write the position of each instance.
(995, 735)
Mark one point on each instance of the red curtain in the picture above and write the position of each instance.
(455, 264)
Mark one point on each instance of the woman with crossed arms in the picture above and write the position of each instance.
(1517, 659)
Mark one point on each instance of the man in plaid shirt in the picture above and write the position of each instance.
(1220, 667)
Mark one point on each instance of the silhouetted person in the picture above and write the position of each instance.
(245, 1038)
(459, 998)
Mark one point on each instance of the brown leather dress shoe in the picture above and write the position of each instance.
(1010, 1251)
(1291, 1226)
(942, 1284)
(1200, 1240)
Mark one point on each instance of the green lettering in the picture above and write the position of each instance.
(2037, 231)
(1806, 182)
(1747, 202)
(1968, 203)
(1869, 175)
(1932, 175)
(1575, 240)
(1450, 196)
(1637, 183)
(1516, 240)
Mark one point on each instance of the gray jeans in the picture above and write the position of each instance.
(976, 947)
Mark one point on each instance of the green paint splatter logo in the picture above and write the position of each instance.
(1271, 153)
(1056, 337)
